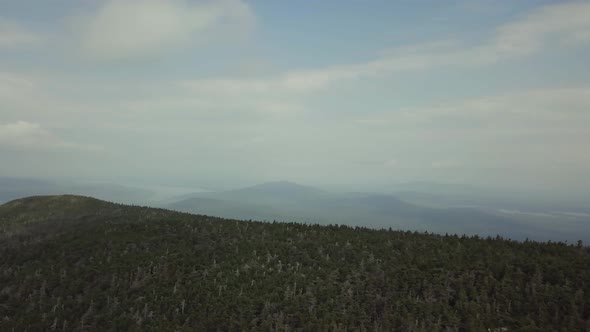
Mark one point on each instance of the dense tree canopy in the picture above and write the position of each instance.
(71, 263)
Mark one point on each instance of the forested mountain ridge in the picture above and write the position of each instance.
(42, 208)
(77, 263)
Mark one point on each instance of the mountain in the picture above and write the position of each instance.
(463, 195)
(267, 201)
(286, 201)
(39, 208)
(13, 188)
(269, 191)
(442, 188)
(77, 263)
(227, 208)
(279, 189)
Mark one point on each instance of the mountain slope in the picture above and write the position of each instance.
(39, 209)
(118, 268)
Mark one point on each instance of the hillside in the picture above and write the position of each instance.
(77, 263)
(16, 214)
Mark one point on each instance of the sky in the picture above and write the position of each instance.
(332, 93)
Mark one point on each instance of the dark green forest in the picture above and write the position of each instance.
(70, 263)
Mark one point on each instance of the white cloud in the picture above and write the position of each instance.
(283, 92)
(536, 108)
(445, 164)
(112, 33)
(27, 135)
(137, 28)
(562, 24)
(554, 25)
(540, 129)
(11, 83)
(230, 86)
(391, 163)
(13, 35)
(565, 23)
(535, 105)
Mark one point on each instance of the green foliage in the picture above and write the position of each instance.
(74, 263)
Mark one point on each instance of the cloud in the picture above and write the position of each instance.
(445, 164)
(563, 25)
(26, 135)
(391, 163)
(137, 28)
(534, 105)
(111, 34)
(535, 108)
(13, 35)
(127, 29)
(11, 83)
(231, 86)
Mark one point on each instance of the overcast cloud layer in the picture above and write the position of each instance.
(226, 93)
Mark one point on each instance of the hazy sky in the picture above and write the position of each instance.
(320, 92)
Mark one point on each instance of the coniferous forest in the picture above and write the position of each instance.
(70, 263)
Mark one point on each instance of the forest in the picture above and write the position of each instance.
(72, 263)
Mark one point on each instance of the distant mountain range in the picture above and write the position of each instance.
(287, 201)
(442, 208)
